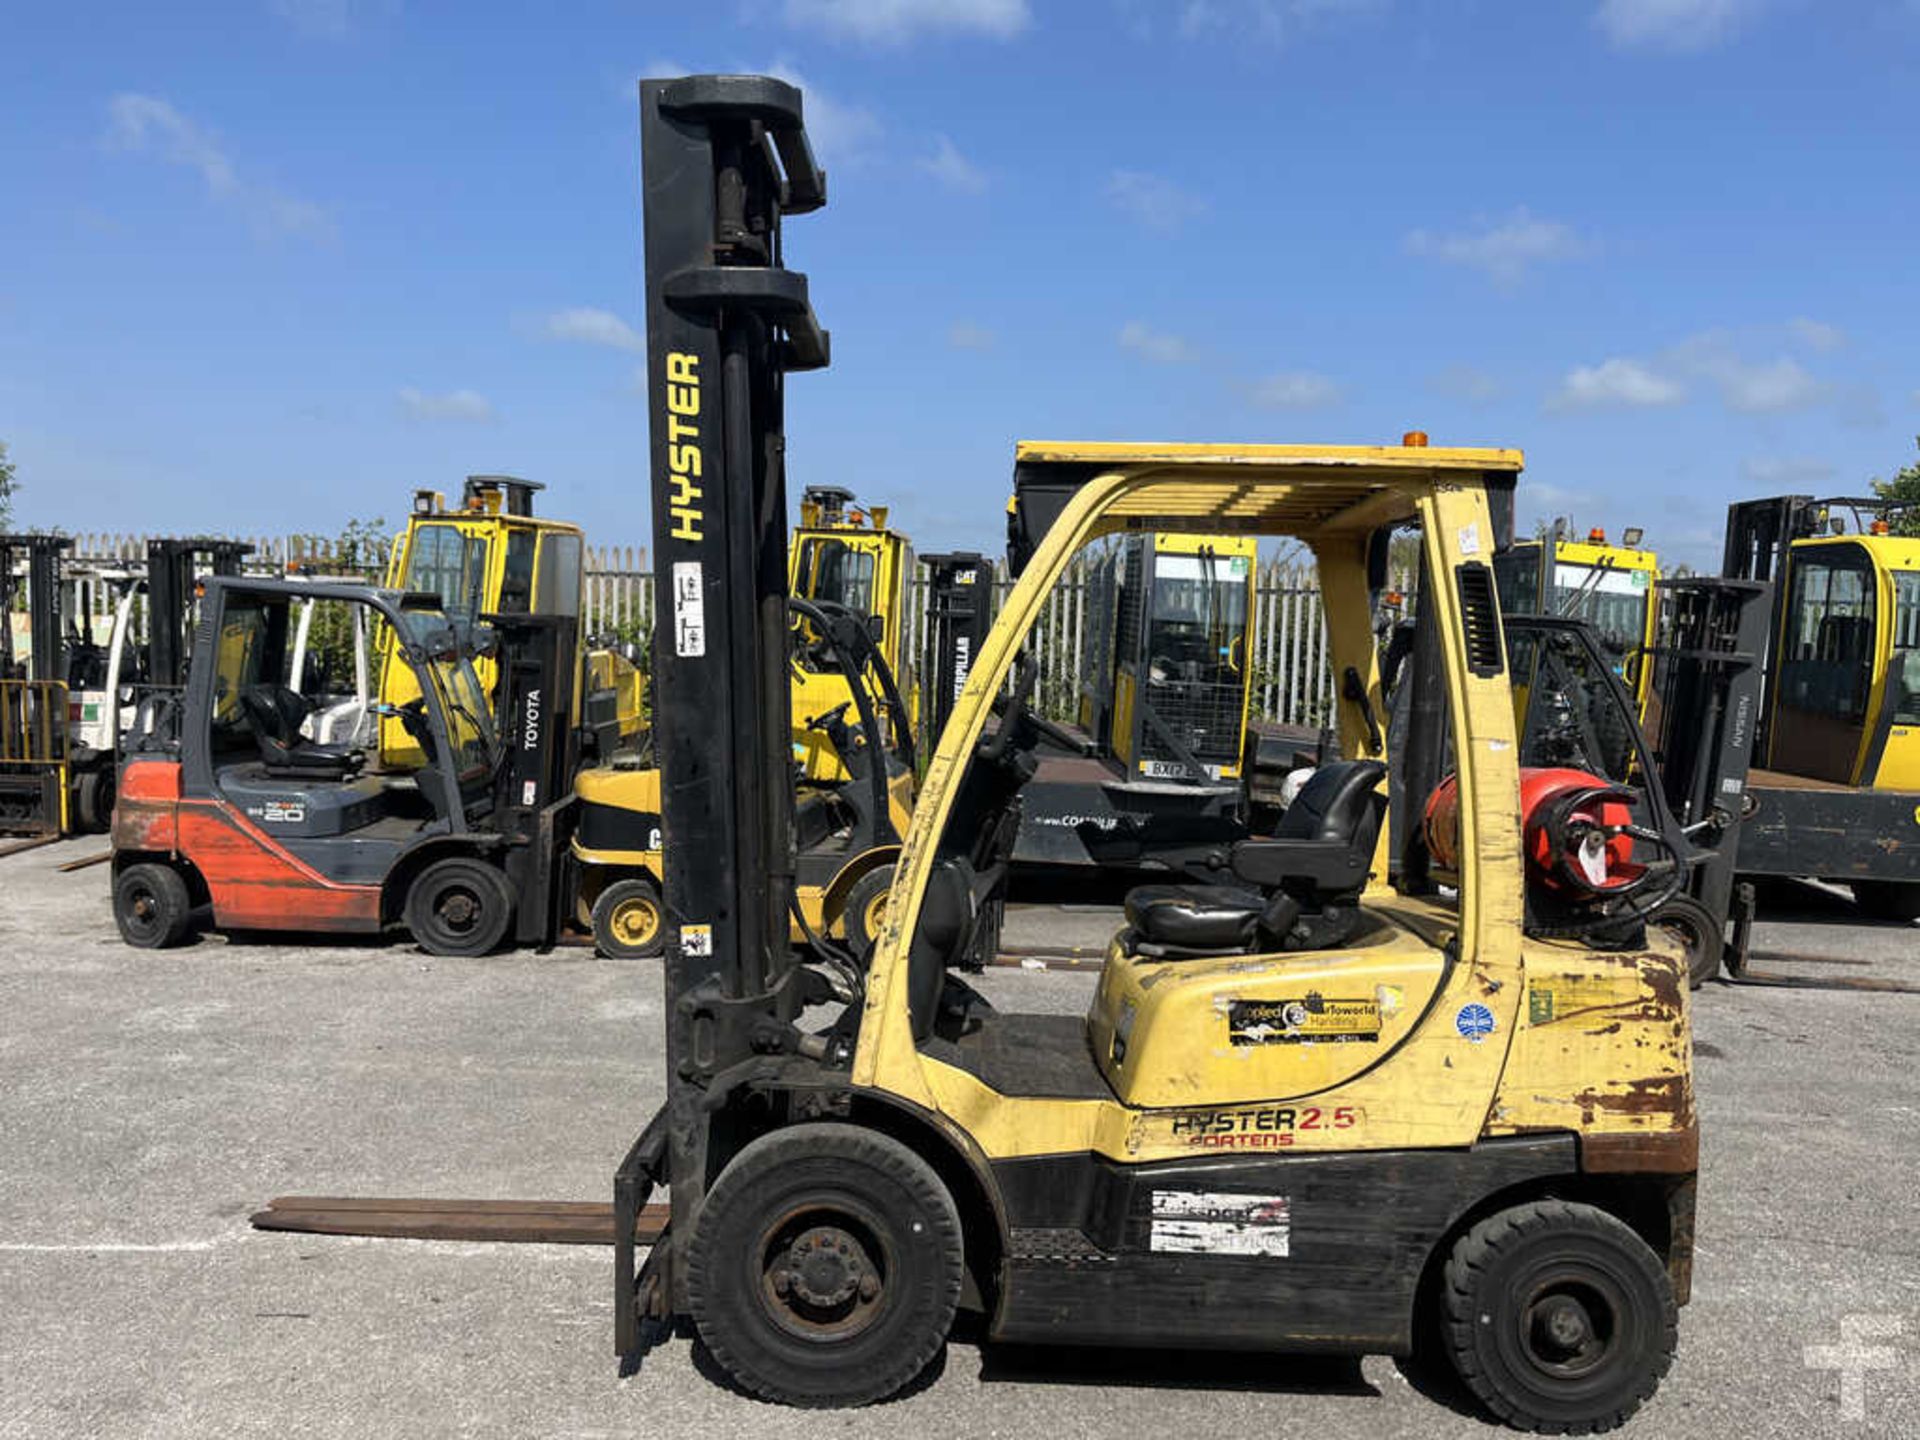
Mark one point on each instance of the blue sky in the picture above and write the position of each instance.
(269, 265)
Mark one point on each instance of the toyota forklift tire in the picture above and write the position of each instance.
(459, 906)
(1887, 899)
(825, 1267)
(1689, 922)
(151, 906)
(629, 922)
(866, 911)
(1558, 1317)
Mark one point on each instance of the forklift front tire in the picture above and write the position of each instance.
(825, 1267)
(93, 800)
(628, 921)
(151, 906)
(459, 906)
(1689, 922)
(1558, 1317)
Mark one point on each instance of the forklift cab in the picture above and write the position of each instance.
(844, 555)
(1610, 587)
(490, 555)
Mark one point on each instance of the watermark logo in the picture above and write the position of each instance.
(1859, 1353)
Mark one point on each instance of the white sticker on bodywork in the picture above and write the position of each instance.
(1469, 536)
(689, 611)
(1204, 1222)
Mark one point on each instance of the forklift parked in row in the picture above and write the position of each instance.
(68, 704)
(491, 555)
(1609, 586)
(229, 804)
(1311, 1106)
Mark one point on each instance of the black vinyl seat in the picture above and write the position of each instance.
(275, 714)
(1297, 889)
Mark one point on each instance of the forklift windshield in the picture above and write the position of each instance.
(834, 570)
(1198, 620)
(432, 641)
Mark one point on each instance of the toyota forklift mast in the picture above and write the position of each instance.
(724, 160)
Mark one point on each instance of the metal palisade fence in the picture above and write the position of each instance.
(1287, 641)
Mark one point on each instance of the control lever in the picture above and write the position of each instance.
(1354, 690)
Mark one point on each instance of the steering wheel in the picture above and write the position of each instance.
(1014, 710)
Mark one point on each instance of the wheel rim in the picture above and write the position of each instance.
(875, 915)
(823, 1273)
(459, 910)
(143, 910)
(635, 921)
(1570, 1326)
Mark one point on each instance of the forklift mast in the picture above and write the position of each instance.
(959, 614)
(171, 566)
(44, 559)
(724, 159)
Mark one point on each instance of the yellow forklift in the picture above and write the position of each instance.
(1325, 1102)
(1611, 587)
(492, 555)
(1834, 788)
(845, 554)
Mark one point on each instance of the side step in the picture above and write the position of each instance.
(514, 1222)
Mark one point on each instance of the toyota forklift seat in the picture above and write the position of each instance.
(275, 714)
(1299, 886)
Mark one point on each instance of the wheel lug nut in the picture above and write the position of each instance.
(869, 1287)
(782, 1282)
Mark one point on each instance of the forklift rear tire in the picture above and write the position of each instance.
(628, 921)
(459, 906)
(1887, 899)
(825, 1267)
(1558, 1317)
(866, 911)
(1689, 922)
(151, 906)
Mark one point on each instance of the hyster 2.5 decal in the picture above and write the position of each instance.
(1267, 1127)
(1207, 1222)
(1310, 1020)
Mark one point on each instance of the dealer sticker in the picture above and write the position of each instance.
(1311, 1019)
(1206, 1222)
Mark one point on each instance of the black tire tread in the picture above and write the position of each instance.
(1475, 1253)
(850, 1143)
(170, 889)
(880, 880)
(1706, 965)
(496, 881)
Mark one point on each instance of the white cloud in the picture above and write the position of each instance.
(1787, 472)
(1152, 200)
(1466, 382)
(1155, 345)
(464, 405)
(148, 125)
(1293, 390)
(1671, 25)
(965, 335)
(1618, 383)
(1753, 387)
(839, 131)
(1817, 334)
(1501, 249)
(594, 327)
(317, 19)
(1275, 21)
(952, 169)
(894, 22)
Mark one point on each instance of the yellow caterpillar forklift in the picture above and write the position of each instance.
(492, 555)
(1325, 1102)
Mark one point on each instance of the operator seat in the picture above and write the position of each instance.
(1297, 889)
(275, 714)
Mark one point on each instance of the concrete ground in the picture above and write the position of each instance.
(149, 1101)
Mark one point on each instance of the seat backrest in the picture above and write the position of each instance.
(1336, 803)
